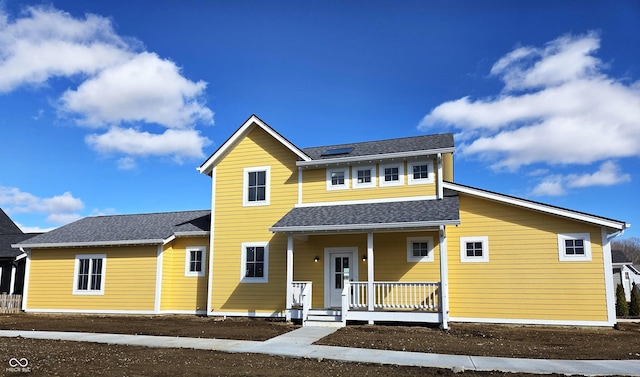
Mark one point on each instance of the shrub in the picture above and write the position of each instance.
(622, 308)
(634, 308)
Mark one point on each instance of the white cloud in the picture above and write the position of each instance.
(550, 186)
(145, 88)
(557, 107)
(179, 143)
(47, 42)
(120, 84)
(608, 174)
(60, 209)
(34, 229)
(127, 163)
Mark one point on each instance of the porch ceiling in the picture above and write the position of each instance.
(370, 216)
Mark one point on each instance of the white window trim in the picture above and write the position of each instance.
(187, 261)
(399, 182)
(345, 186)
(354, 174)
(410, 242)
(421, 181)
(485, 249)
(243, 265)
(89, 292)
(563, 257)
(245, 186)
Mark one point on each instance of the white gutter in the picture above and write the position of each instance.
(375, 157)
(356, 227)
(89, 244)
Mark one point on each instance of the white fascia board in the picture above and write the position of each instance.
(375, 157)
(200, 233)
(89, 244)
(359, 227)
(246, 127)
(584, 217)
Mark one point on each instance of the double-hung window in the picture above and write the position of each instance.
(89, 273)
(364, 176)
(420, 172)
(420, 249)
(255, 262)
(256, 186)
(195, 259)
(474, 249)
(392, 174)
(574, 247)
(338, 178)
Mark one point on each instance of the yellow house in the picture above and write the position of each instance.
(126, 264)
(378, 231)
(371, 231)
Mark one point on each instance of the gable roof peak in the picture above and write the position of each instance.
(7, 226)
(252, 122)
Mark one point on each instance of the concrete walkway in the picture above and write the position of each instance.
(298, 343)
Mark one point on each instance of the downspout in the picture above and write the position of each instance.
(444, 278)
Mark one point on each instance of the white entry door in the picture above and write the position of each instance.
(338, 260)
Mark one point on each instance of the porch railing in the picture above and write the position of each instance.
(396, 295)
(301, 292)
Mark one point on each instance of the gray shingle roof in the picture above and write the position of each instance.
(7, 226)
(405, 214)
(372, 148)
(6, 240)
(149, 228)
(617, 256)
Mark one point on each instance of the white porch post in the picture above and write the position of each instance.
(289, 299)
(12, 283)
(370, 275)
(444, 278)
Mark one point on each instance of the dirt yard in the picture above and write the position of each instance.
(70, 358)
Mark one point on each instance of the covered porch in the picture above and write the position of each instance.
(368, 262)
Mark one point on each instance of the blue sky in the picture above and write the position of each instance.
(108, 107)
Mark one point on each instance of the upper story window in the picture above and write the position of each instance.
(338, 178)
(195, 261)
(255, 262)
(392, 174)
(256, 186)
(420, 249)
(474, 249)
(364, 176)
(574, 247)
(89, 274)
(420, 172)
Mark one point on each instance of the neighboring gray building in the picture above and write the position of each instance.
(12, 261)
(624, 272)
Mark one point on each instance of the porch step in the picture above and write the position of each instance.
(324, 318)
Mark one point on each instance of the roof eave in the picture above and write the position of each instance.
(373, 157)
(579, 216)
(246, 127)
(362, 227)
(88, 244)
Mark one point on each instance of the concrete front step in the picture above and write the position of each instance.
(323, 324)
(324, 317)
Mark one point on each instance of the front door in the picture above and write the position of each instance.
(339, 260)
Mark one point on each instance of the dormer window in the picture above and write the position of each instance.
(420, 172)
(364, 176)
(392, 174)
(338, 178)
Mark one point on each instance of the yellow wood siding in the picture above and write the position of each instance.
(235, 224)
(390, 259)
(524, 278)
(314, 187)
(129, 279)
(180, 292)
